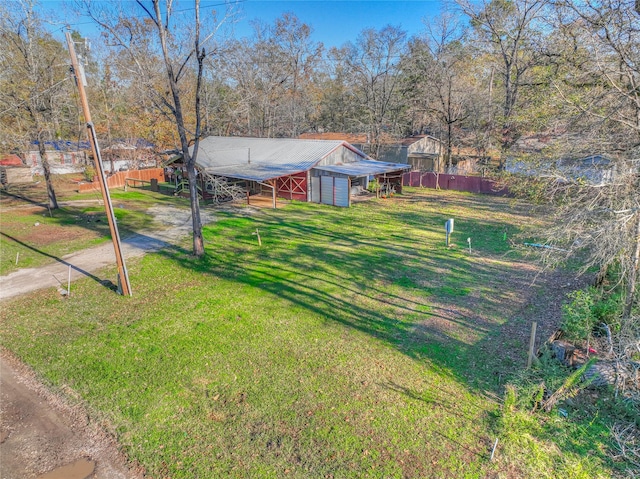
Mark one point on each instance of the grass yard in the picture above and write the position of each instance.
(353, 343)
(31, 235)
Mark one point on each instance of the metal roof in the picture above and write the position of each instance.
(254, 171)
(260, 159)
(364, 168)
(65, 145)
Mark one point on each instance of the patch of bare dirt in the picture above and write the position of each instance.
(43, 235)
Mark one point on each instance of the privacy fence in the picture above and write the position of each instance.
(472, 184)
(118, 180)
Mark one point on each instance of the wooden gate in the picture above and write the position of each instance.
(293, 187)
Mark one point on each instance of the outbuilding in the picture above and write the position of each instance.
(320, 171)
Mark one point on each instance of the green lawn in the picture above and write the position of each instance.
(33, 235)
(353, 343)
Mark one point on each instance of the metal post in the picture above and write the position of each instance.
(91, 132)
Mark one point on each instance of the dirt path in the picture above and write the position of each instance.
(83, 263)
(41, 436)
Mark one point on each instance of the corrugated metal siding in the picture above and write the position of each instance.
(361, 168)
(296, 154)
(341, 155)
(341, 188)
(425, 145)
(260, 159)
(326, 190)
(473, 184)
(315, 189)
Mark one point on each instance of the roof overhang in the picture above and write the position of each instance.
(253, 171)
(364, 168)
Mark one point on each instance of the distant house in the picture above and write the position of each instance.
(63, 156)
(319, 171)
(596, 169)
(73, 157)
(127, 154)
(422, 152)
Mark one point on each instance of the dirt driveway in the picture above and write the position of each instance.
(41, 435)
(82, 263)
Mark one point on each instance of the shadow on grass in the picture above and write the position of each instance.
(26, 199)
(385, 275)
(106, 283)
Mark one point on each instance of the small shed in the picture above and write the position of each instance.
(424, 152)
(13, 171)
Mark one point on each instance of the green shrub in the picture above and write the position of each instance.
(590, 308)
(578, 316)
(373, 186)
(89, 173)
(608, 308)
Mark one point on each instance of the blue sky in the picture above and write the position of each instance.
(334, 21)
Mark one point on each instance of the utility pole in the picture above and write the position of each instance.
(123, 277)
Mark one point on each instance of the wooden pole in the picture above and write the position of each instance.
(532, 343)
(113, 228)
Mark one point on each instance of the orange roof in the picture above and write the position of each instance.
(348, 137)
(11, 160)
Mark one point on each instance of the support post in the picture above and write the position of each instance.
(274, 193)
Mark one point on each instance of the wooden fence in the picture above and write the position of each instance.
(118, 180)
(472, 184)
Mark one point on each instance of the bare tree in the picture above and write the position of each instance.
(291, 44)
(374, 63)
(597, 217)
(434, 76)
(32, 82)
(509, 31)
(600, 87)
(182, 49)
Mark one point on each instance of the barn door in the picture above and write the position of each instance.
(326, 190)
(341, 192)
(315, 189)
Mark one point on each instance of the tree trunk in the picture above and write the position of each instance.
(198, 240)
(633, 275)
(51, 194)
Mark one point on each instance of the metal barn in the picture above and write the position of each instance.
(320, 171)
